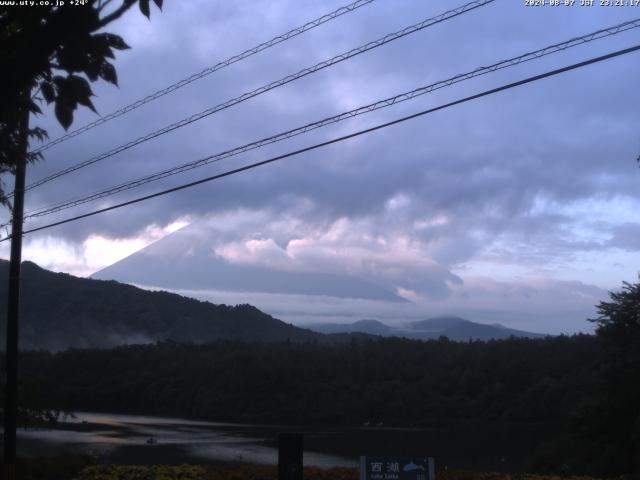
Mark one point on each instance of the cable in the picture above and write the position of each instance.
(246, 96)
(602, 33)
(265, 88)
(207, 71)
(340, 139)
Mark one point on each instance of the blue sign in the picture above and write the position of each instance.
(397, 468)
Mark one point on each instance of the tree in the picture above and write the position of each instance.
(52, 51)
(51, 54)
(618, 328)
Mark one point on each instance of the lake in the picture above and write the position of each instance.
(126, 439)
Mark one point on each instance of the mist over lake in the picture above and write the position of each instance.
(125, 439)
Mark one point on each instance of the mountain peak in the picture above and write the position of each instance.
(371, 324)
(165, 264)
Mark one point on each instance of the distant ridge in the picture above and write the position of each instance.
(437, 324)
(371, 327)
(454, 328)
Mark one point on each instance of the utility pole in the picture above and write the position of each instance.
(13, 301)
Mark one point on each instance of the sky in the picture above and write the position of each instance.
(520, 208)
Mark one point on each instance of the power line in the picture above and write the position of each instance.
(340, 139)
(599, 34)
(265, 88)
(208, 71)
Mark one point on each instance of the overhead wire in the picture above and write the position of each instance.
(380, 104)
(209, 70)
(449, 14)
(342, 138)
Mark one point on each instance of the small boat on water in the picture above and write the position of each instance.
(151, 441)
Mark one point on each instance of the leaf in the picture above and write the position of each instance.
(108, 73)
(34, 156)
(48, 91)
(71, 91)
(72, 56)
(34, 108)
(64, 113)
(158, 3)
(93, 67)
(144, 8)
(39, 133)
(79, 86)
(100, 46)
(81, 91)
(114, 41)
(59, 82)
(87, 103)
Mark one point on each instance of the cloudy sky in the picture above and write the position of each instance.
(522, 207)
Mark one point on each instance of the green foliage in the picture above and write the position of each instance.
(56, 52)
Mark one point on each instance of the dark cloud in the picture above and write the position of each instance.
(626, 237)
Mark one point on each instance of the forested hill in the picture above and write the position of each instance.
(59, 311)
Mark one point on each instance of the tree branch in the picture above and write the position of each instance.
(126, 5)
(104, 4)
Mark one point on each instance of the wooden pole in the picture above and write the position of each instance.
(290, 450)
(13, 300)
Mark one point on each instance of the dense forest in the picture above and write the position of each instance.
(398, 382)
(542, 383)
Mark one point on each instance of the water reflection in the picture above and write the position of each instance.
(124, 439)
(142, 439)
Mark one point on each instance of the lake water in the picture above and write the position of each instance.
(124, 439)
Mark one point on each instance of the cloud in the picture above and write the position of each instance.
(626, 237)
(94, 253)
(541, 305)
(357, 247)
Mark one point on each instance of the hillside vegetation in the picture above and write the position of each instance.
(61, 311)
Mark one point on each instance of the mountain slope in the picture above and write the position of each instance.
(60, 311)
